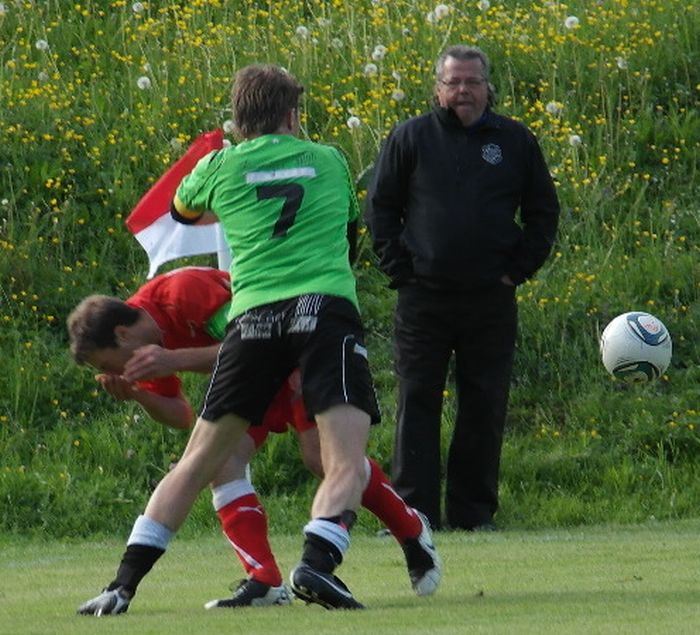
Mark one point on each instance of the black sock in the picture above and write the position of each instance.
(136, 562)
(321, 554)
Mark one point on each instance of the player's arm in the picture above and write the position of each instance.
(152, 361)
(182, 214)
(174, 411)
(352, 241)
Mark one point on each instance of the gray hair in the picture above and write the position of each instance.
(463, 52)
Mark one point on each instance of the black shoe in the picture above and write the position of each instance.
(325, 589)
(252, 592)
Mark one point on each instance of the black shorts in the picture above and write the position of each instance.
(321, 335)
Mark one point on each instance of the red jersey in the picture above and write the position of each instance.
(181, 302)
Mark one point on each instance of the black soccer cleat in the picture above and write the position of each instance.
(109, 602)
(252, 592)
(422, 560)
(325, 589)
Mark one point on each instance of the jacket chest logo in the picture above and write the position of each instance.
(491, 153)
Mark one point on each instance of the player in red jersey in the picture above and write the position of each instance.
(174, 323)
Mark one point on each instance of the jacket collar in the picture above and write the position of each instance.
(448, 117)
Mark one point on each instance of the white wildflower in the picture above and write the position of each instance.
(571, 22)
(43, 77)
(354, 122)
(430, 17)
(143, 82)
(323, 22)
(575, 140)
(302, 32)
(42, 45)
(138, 7)
(370, 69)
(396, 75)
(337, 43)
(228, 126)
(621, 63)
(176, 144)
(4, 202)
(398, 95)
(483, 5)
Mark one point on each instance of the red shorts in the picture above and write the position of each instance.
(287, 409)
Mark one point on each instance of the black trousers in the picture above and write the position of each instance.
(479, 327)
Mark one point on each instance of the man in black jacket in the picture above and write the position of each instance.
(442, 213)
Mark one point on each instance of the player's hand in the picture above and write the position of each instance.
(107, 603)
(117, 386)
(148, 362)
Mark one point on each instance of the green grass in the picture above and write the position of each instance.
(80, 143)
(600, 579)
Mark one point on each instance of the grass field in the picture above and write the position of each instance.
(633, 579)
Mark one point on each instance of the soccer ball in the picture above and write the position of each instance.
(636, 347)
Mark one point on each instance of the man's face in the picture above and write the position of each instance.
(463, 88)
(109, 360)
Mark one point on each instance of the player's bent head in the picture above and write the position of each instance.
(261, 98)
(91, 325)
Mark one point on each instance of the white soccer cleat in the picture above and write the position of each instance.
(422, 560)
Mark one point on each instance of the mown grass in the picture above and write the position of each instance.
(601, 579)
(99, 97)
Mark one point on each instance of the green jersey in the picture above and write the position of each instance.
(284, 205)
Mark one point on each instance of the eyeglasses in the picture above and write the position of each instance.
(472, 82)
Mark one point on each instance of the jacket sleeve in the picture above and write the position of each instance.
(385, 209)
(539, 213)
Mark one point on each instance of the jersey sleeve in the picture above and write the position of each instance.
(164, 386)
(195, 190)
(354, 207)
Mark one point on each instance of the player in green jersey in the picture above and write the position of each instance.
(289, 213)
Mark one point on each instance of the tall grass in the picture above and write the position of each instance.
(99, 97)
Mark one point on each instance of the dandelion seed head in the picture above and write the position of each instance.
(138, 7)
(302, 32)
(379, 52)
(621, 63)
(554, 108)
(396, 75)
(353, 122)
(42, 45)
(571, 22)
(441, 11)
(370, 69)
(575, 140)
(398, 95)
(484, 5)
(337, 43)
(430, 17)
(143, 82)
(43, 76)
(228, 126)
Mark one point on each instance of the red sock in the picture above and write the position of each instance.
(383, 501)
(245, 525)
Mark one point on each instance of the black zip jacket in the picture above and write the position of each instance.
(443, 200)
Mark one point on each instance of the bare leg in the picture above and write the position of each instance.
(210, 446)
(343, 434)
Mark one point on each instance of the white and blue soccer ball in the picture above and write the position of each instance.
(636, 347)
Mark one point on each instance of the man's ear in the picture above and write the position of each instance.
(292, 120)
